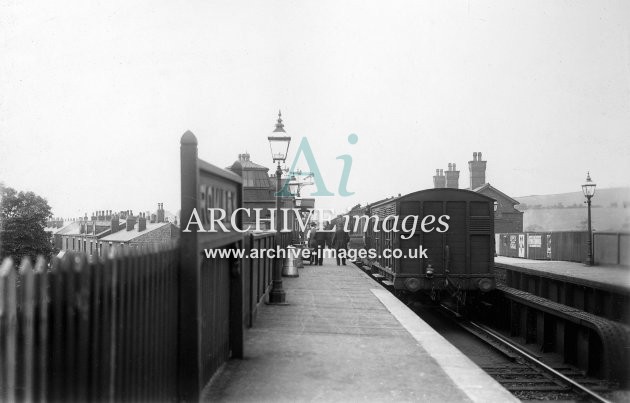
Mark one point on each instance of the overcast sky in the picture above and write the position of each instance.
(94, 97)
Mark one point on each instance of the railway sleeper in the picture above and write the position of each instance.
(596, 345)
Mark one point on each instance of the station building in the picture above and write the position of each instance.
(506, 217)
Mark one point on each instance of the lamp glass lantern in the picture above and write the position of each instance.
(588, 188)
(279, 142)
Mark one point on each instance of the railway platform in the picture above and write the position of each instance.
(343, 337)
(600, 290)
(604, 277)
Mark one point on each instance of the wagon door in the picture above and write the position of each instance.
(408, 265)
(455, 239)
(434, 241)
(481, 231)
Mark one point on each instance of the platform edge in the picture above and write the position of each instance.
(465, 374)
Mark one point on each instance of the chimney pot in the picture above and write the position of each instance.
(142, 223)
(160, 213)
(452, 177)
(477, 169)
(131, 222)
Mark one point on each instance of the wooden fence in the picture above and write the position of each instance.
(257, 275)
(612, 248)
(150, 325)
(84, 331)
(608, 247)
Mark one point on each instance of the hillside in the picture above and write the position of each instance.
(567, 211)
(610, 197)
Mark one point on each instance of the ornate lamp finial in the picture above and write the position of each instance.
(279, 125)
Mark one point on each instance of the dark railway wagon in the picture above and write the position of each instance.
(459, 261)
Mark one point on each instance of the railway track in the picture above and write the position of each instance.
(520, 371)
(526, 376)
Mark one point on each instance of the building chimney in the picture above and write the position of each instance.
(477, 169)
(439, 180)
(452, 177)
(142, 222)
(131, 222)
(114, 224)
(160, 213)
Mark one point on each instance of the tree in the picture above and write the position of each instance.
(23, 217)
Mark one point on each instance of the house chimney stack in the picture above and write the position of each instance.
(142, 222)
(477, 169)
(439, 180)
(114, 224)
(131, 222)
(452, 177)
(160, 213)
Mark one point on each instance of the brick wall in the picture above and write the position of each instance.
(79, 243)
(508, 222)
(506, 218)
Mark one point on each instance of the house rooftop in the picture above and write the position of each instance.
(124, 236)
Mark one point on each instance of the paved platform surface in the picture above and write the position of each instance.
(614, 278)
(345, 338)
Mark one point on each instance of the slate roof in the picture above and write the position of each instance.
(492, 188)
(74, 228)
(69, 229)
(124, 236)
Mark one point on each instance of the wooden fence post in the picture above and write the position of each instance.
(236, 305)
(8, 329)
(188, 360)
(26, 329)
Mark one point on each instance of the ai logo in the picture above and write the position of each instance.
(322, 190)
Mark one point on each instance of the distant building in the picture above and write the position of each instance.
(105, 229)
(506, 217)
(137, 232)
(259, 190)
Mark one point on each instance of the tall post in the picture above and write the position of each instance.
(188, 361)
(589, 241)
(277, 294)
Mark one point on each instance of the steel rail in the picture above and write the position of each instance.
(575, 385)
(536, 361)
